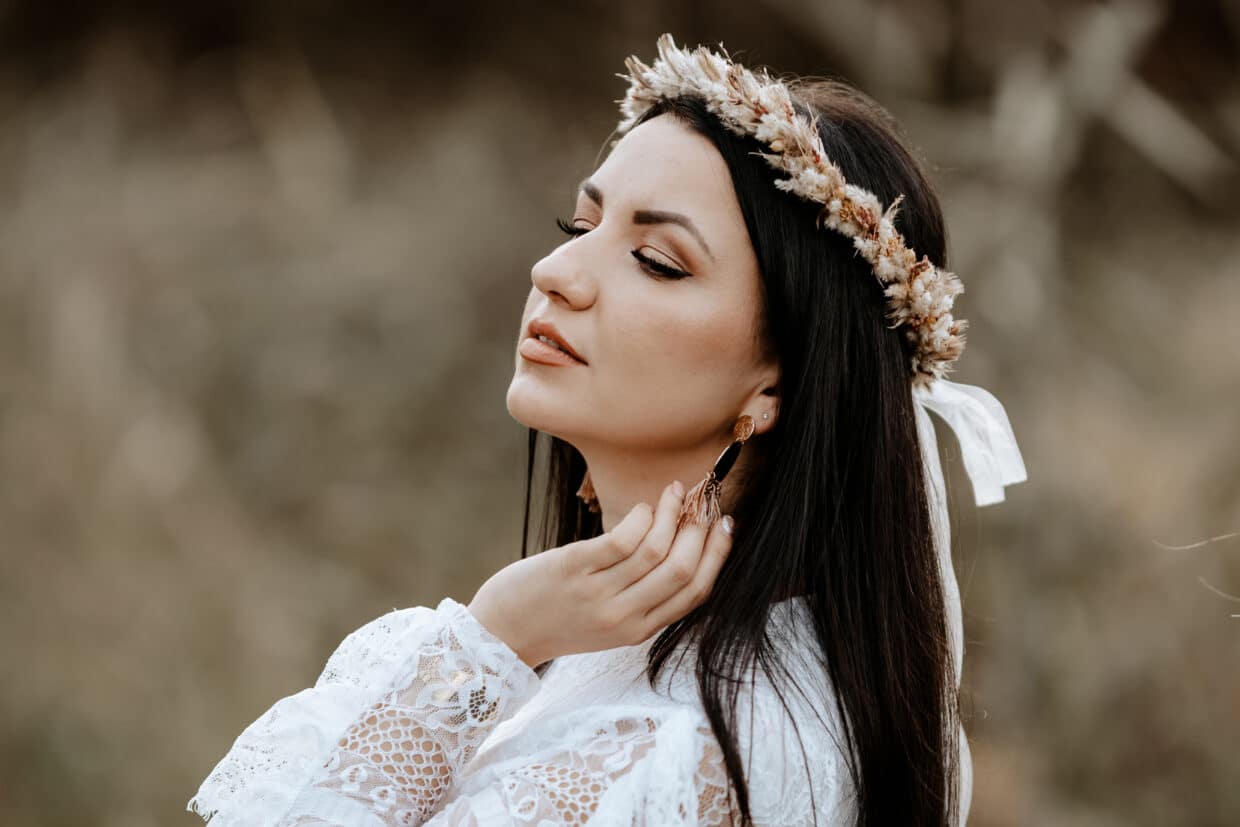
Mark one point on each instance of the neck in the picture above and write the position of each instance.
(624, 478)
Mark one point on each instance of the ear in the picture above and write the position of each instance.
(764, 399)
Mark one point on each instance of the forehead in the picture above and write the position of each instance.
(663, 164)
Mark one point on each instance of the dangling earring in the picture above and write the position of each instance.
(702, 502)
(586, 493)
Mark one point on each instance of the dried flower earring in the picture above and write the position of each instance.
(701, 505)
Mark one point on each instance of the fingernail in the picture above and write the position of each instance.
(728, 524)
(678, 489)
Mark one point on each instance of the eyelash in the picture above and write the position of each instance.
(647, 263)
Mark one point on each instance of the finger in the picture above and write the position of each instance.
(654, 547)
(606, 550)
(670, 576)
(718, 544)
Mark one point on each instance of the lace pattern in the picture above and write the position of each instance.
(395, 732)
(438, 663)
(401, 756)
(617, 766)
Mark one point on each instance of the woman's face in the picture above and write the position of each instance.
(669, 362)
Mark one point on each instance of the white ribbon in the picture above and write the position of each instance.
(987, 444)
(992, 460)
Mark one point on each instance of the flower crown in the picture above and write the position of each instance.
(919, 295)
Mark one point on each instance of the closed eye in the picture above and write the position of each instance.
(648, 264)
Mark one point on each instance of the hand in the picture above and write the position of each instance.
(616, 589)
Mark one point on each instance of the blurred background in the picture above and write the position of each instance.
(261, 270)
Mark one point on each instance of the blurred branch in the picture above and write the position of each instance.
(876, 41)
(1098, 81)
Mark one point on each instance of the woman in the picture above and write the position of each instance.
(793, 662)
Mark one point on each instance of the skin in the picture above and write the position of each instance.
(671, 365)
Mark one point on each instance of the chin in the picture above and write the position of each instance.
(537, 407)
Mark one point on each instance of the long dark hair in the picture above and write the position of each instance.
(836, 507)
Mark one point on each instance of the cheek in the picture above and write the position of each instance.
(675, 354)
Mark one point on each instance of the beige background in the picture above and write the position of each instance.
(260, 277)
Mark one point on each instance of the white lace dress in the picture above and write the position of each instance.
(424, 717)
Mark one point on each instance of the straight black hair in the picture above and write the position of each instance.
(836, 507)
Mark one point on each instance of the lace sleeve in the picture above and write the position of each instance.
(401, 705)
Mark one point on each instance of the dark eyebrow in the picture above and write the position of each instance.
(651, 216)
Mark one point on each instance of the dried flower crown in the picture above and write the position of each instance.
(919, 295)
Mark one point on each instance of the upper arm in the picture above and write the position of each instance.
(402, 704)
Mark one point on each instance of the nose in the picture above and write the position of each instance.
(563, 277)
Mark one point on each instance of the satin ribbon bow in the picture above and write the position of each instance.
(987, 444)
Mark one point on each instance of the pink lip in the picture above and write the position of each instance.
(536, 350)
(540, 327)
